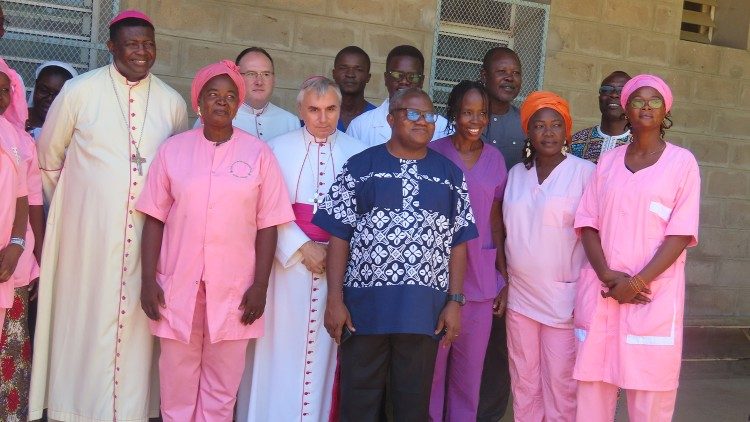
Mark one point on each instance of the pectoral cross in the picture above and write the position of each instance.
(138, 160)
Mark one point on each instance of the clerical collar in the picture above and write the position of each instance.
(122, 79)
(258, 111)
(309, 137)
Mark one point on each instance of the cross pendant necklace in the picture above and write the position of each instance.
(136, 158)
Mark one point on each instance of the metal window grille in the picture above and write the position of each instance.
(468, 28)
(71, 31)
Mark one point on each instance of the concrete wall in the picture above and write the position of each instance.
(303, 36)
(587, 40)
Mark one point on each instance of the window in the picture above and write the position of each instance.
(717, 22)
(698, 20)
(468, 28)
(72, 31)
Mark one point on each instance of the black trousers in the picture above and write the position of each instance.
(403, 362)
(495, 390)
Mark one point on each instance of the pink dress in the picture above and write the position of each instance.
(212, 199)
(636, 347)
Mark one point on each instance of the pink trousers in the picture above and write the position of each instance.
(458, 368)
(199, 380)
(597, 401)
(541, 370)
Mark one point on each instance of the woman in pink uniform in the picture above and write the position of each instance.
(458, 367)
(18, 265)
(544, 257)
(213, 198)
(636, 218)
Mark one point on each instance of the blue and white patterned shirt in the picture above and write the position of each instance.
(401, 218)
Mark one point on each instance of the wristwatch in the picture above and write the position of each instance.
(18, 241)
(457, 297)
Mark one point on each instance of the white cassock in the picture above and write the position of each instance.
(290, 370)
(93, 349)
(266, 123)
(371, 127)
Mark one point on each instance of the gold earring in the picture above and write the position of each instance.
(565, 150)
(199, 113)
(528, 152)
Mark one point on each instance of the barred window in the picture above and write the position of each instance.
(717, 22)
(468, 28)
(72, 31)
(698, 20)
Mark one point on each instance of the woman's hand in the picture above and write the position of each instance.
(152, 298)
(253, 303)
(8, 260)
(500, 303)
(622, 291)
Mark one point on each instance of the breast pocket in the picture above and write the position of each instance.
(381, 193)
(559, 211)
(433, 196)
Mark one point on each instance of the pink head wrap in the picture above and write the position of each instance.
(223, 67)
(130, 13)
(17, 112)
(652, 81)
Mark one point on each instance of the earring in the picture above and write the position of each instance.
(528, 152)
(565, 151)
(199, 113)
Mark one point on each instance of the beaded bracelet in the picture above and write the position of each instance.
(640, 280)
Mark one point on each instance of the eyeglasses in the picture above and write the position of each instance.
(609, 89)
(254, 75)
(652, 103)
(414, 78)
(413, 115)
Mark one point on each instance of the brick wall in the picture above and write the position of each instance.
(588, 39)
(303, 36)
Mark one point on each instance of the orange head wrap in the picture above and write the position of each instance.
(538, 100)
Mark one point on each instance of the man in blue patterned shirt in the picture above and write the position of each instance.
(399, 217)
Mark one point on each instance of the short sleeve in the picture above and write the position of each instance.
(464, 223)
(273, 200)
(587, 214)
(337, 213)
(684, 218)
(156, 198)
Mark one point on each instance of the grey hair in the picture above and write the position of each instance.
(402, 94)
(320, 85)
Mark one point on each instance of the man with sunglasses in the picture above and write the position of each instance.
(399, 217)
(257, 115)
(592, 142)
(404, 68)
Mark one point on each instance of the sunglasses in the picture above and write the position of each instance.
(652, 103)
(609, 89)
(414, 78)
(414, 115)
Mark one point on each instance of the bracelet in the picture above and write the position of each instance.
(633, 285)
(18, 241)
(640, 281)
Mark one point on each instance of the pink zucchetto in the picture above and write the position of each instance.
(639, 81)
(223, 67)
(130, 13)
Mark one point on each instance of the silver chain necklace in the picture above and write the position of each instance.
(136, 158)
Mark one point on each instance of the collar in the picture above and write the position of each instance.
(122, 80)
(598, 131)
(309, 138)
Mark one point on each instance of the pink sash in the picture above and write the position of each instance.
(303, 214)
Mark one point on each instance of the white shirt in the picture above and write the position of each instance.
(372, 127)
(270, 123)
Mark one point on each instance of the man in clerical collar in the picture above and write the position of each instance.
(351, 71)
(404, 69)
(257, 115)
(93, 349)
(501, 75)
(612, 132)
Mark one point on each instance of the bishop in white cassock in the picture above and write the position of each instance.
(290, 371)
(93, 349)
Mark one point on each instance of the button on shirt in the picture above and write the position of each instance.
(504, 133)
(401, 218)
(212, 199)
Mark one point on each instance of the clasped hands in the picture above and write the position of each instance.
(621, 290)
